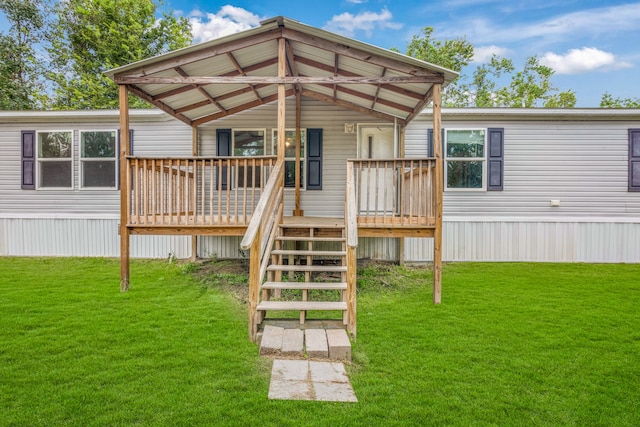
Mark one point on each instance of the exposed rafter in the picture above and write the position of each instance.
(242, 72)
(161, 105)
(208, 80)
(208, 97)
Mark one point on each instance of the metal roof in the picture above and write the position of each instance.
(224, 76)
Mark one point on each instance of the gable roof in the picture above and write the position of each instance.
(210, 80)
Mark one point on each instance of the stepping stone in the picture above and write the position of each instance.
(310, 380)
(271, 340)
(292, 342)
(339, 344)
(316, 343)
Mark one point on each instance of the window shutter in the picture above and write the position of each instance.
(118, 154)
(430, 152)
(314, 159)
(223, 149)
(495, 159)
(634, 159)
(28, 159)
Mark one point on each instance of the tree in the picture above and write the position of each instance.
(92, 36)
(608, 101)
(21, 86)
(530, 87)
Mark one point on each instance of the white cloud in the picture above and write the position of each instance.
(347, 24)
(591, 22)
(356, 1)
(577, 61)
(484, 53)
(228, 20)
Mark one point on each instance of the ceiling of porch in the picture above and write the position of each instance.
(228, 75)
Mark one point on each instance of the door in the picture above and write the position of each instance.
(376, 187)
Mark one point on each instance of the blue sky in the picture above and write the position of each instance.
(594, 46)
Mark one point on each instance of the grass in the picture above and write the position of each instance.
(512, 344)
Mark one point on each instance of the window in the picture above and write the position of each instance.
(98, 159)
(290, 156)
(55, 159)
(248, 143)
(465, 159)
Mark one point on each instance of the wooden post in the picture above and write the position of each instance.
(282, 61)
(401, 154)
(297, 211)
(254, 283)
(352, 267)
(124, 188)
(194, 151)
(437, 239)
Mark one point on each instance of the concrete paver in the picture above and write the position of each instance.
(316, 343)
(339, 344)
(310, 380)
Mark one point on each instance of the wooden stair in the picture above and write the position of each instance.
(308, 270)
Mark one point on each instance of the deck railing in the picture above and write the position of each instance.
(259, 237)
(394, 192)
(213, 191)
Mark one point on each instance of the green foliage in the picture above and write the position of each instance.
(530, 87)
(92, 36)
(21, 85)
(98, 144)
(454, 54)
(608, 101)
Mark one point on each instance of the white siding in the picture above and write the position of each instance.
(83, 237)
(527, 240)
(582, 164)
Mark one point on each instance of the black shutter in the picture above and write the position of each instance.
(495, 159)
(314, 159)
(430, 152)
(118, 154)
(634, 159)
(28, 159)
(223, 149)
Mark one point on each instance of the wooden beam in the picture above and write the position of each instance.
(395, 232)
(240, 108)
(161, 105)
(209, 80)
(124, 188)
(326, 98)
(196, 55)
(375, 98)
(201, 90)
(437, 239)
(247, 69)
(194, 151)
(242, 72)
(324, 67)
(367, 97)
(420, 106)
(357, 54)
(401, 154)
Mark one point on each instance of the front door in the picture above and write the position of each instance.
(376, 183)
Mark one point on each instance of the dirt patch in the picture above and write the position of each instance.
(230, 275)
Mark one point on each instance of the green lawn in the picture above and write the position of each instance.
(512, 344)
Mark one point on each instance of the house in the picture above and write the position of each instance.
(356, 175)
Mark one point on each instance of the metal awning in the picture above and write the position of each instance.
(231, 74)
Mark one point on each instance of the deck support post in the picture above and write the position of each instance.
(297, 211)
(124, 188)
(194, 151)
(401, 154)
(351, 289)
(439, 178)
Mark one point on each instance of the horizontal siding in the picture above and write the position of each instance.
(532, 241)
(338, 146)
(83, 237)
(582, 164)
(77, 201)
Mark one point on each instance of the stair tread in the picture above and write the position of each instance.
(301, 305)
(313, 268)
(309, 238)
(305, 285)
(306, 252)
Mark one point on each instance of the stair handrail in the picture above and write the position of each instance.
(268, 211)
(351, 228)
(350, 210)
